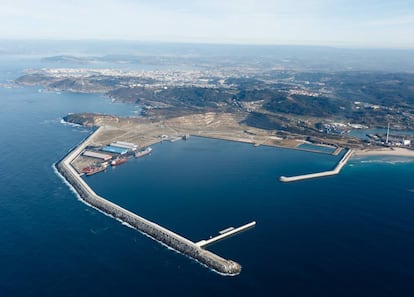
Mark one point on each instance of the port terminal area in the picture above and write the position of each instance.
(161, 234)
(96, 157)
(128, 141)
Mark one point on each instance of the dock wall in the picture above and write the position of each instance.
(335, 171)
(155, 231)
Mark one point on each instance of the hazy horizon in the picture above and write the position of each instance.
(293, 57)
(166, 42)
(339, 23)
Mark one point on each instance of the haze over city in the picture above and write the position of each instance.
(347, 23)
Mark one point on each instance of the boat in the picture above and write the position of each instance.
(142, 153)
(224, 231)
(119, 161)
(87, 169)
(95, 170)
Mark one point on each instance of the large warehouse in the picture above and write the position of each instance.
(127, 145)
(114, 150)
(97, 155)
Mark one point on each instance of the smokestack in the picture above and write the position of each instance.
(388, 133)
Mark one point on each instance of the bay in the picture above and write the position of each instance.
(347, 235)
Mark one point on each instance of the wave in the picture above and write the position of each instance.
(63, 122)
(390, 160)
(47, 122)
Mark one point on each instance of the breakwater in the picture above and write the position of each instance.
(155, 231)
(335, 171)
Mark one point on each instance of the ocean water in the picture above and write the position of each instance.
(346, 235)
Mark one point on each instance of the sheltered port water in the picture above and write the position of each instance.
(153, 230)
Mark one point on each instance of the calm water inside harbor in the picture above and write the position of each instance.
(346, 235)
(317, 148)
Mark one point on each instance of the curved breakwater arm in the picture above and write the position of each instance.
(335, 171)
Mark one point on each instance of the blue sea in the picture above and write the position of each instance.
(346, 235)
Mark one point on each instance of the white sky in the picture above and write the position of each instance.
(363, 23)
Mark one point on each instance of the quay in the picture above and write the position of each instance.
(335, 171)
(337, 151)
(225, 234)
(153, 230)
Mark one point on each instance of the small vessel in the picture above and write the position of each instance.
(143, 152)
(87, 169)
(95, 170)
(119, 161)
(224, 231)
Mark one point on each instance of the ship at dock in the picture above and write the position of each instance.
(142, 153)
(119, 161)
(90, 170)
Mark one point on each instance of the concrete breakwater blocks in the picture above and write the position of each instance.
(159, 233)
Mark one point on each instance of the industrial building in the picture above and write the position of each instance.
(126, 145)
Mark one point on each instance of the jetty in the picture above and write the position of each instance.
(334, 171)
(153, 230)
(225, 234)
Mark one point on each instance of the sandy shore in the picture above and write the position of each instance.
(396, 151)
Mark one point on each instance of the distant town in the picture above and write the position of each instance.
(320, 106)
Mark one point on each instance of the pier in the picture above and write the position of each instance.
(153, 230)
(335, 171)
(225, 234)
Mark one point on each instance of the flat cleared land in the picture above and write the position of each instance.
(144, 132)
(221, 126)
(227, 126)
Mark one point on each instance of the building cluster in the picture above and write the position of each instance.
(391, 140)
(211, 78)
(113, 154)
(335, 128)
